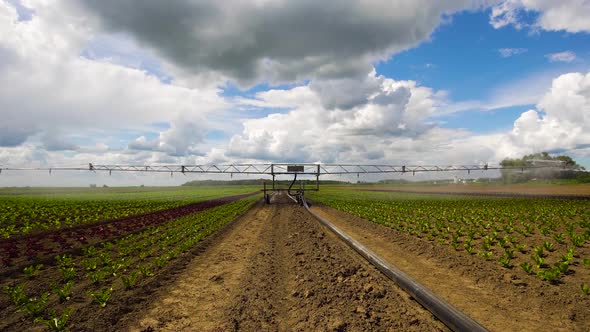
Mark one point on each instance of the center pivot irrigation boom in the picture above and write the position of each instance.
(276, 169)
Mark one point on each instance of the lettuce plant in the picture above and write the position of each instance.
(67, 273)
(16, 294)
(527, 267)
(56, 322)
(63, 293)
(102, 297)
(130, 280)
(33, 270)
(34, 306)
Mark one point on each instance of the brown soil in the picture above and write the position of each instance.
(278, 269)
(550, 191)
(498, 298)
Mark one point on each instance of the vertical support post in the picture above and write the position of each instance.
(317, 179)
(272, 172)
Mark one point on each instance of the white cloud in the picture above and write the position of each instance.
(567, 15)
(565, 123)
(566, 56)
(508, 52)
(313, 130)
(504, 14)
(399, 130)
(55, 90)
(180, 139)
(553, 15)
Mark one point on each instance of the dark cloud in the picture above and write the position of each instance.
(253, 41)
(10, 136)
(53, 140)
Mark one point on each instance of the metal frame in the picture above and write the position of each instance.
(275, 169)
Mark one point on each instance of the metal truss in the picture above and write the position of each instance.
(284, 168)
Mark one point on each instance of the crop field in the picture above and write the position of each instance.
(541, 237)
(218, 258)
(538, 245)
(35, 209)
(79, 244)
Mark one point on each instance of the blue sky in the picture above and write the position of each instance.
(463, 57)
(391, 81)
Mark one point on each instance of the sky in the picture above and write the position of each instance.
(347, 81)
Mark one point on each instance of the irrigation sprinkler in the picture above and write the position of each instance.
(275, 170)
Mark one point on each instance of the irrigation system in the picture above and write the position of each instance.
(303, 169)
(444, 311)
(275, 169)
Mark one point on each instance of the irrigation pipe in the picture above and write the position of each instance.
(452, 317)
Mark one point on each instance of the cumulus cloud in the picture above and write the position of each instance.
(394, 125)
(563, 15)
(566, 56)
(394, 111)
(275, 41)
(565, 121)
(52, 87)
(180, 139)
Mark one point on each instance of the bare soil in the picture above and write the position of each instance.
(580, 191)
(500, 299)
(278, 269)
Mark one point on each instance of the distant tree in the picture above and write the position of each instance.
(557, 167)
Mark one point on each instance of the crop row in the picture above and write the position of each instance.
(112, 268)
(20, 215)
(544, 237)
(15, 252)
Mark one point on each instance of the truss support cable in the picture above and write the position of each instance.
(452, 317)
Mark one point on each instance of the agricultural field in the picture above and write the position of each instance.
(538, 245)
(540, 189)
(120, 239)
(546, 238)
(29, 210)
(218, 258)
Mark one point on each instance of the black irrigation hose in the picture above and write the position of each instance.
(444, 311)
(291, 185)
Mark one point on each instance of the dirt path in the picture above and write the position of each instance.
(496, 298)
(278, 269)
(196, 300)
